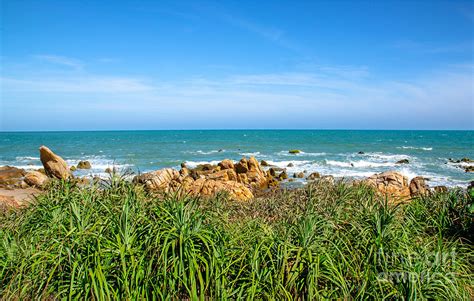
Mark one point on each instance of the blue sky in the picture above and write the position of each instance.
(85, 65)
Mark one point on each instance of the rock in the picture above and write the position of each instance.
(73, 168)
(158, 180)
(242, 166)
(418, 186)
(290, 165)
(272, 172)
(469, 168)
(294, 151)
(403, 161)
(466, 160)
(223, 175)
(361, 153)
(283, 176)
(11, 176)
(390, 183)
(226, 164)
(36, 179)
(183, 165)
(41, 170)
(53, 164)
(299, 175)
(264, 163)
(209, 188)
(84, 165)
(440, 189)
(220, 150)
(313, 176)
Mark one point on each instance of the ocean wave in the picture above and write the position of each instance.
(201, 152)
(416, 148)
(254, 154)
(301, 153)
(193, 164)
(26, 158)
(359, 164)
(387, 157)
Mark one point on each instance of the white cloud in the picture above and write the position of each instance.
(61, 60)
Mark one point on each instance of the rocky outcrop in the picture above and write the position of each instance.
(418, 186)
(54, 165)
(391, 184)
(36, 179)
(209, 188)
(313, 176)
(84, 165)
(239, 179)
(294, 151)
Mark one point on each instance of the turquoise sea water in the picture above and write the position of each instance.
(328, 152)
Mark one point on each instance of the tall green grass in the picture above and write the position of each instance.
(115, 241)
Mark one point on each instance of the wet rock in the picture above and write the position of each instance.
(290, 165)
(73, 168)
(84, 165)
(294, 151)
(53, 164)
(466, 160)
(361, 153)
(264, 163)
(469, 168)
(403, 161)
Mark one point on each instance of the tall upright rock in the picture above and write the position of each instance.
(54, 165)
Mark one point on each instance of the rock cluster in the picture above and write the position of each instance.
(396, 186)
(239, 179)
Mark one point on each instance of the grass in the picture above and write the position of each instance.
(115, 241)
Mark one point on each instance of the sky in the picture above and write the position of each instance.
(115, 65)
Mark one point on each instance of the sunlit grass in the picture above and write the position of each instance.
(114, 241)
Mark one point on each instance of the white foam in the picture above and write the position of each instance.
(193, 164)
(301, 153)
(26, 158)
(414, 147)
(250, 154)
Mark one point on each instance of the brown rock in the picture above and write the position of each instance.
(418, 186)
(53, 164)
(402, 161)
(158, 180)
(264, 163)
(298, 175)
(290, 165)
(8, 202)
(226, 164)
(84, 165)
(440, 189)
(209, 188)
(242, 166)
(73, 168)
(283, 176)
(313, 176)
(390, 183)
(11, 176)
(36, 179)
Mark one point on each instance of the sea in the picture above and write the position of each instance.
(341, 153)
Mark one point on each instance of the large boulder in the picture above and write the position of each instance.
(418, 186)
(54, 165)
(209, 188)
(226, 164)
(391, 184)
(36, 179)
(11, 176)
(158, 180)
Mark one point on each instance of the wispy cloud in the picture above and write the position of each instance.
(61, 60)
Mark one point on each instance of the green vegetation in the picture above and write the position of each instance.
(319, 242)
